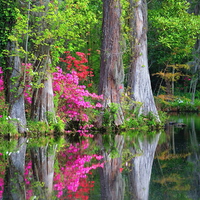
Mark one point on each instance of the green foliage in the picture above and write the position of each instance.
(173, 29)
(7, 146)
(7, 20)
(109, 144)
(110, 114)
(7, 125)
(37, 127)
(58, 126)
(54, 24)
(41, 127)
(172, 34)
(132, 118)
(177, 104)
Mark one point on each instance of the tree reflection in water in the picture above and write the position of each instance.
(136, 167)
(141, 167)
(14, 187)
(36, 178)
(57, 169)
(176, 168)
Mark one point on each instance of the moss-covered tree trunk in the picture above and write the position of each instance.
(111, 72)
(139, 79)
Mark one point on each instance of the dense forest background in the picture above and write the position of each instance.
(56, 55)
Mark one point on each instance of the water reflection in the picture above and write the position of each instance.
(14, 187)
(54, 168)
(176, 167)
(42, 161)
(127, 166)
(112, 185)
(194, 158)
(141, 166)
(46, 168)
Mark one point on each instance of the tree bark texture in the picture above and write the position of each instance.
(139, 80)
(14, 88)
(42, 100)
(43, 168)
(111, 70)
(112, 185)
(14, 188)
(141, 166)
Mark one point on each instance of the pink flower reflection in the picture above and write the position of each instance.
(75, 167)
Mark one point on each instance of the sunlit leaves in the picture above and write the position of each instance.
(175, 29)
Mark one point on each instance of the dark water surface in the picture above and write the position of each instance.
(129, 166)
(176, 168)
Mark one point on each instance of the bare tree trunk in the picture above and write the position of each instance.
(14, 89)
(14, 188)
(43, 168)
(111, 72)
(139, 79)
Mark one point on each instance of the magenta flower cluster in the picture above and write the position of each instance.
(72, 95)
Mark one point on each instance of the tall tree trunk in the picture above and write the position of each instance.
(42, 101)
(139, 79)
(14, 188)
(111, 71)
(14, 88)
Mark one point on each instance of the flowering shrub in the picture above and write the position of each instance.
(71, 95)
(83, 71)
(85, 187)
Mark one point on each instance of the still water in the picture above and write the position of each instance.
(129, 166)
(176, 168)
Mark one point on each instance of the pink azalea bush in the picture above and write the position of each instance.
(73, 99)
(72, 96)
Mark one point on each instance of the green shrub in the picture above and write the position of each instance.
(7, 125)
